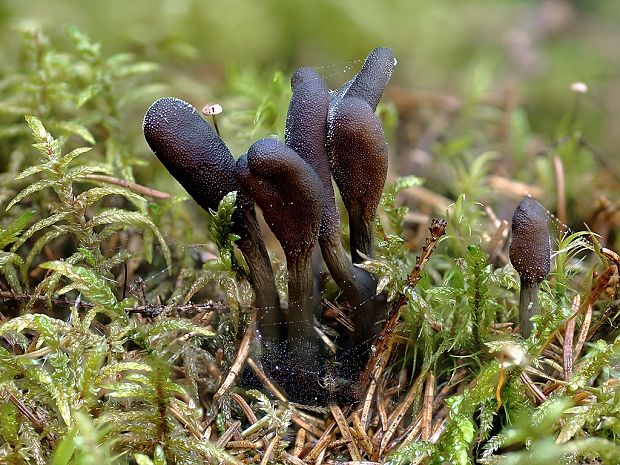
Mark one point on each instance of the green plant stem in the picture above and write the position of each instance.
(528, 306)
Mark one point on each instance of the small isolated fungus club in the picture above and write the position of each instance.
(290, 194)
(530, 254)
(198, 159)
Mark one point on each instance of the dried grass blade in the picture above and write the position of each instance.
(242, 354)
(345, 431)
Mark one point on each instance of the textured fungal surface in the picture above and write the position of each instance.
(369, 83)
(530, 249)
(358, 156)
(190, 150)
(306, 134)
(288, 191)
(358, 153)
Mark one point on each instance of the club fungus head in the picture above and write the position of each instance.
(306, 134)
(369, 83)
(288, 191)
(530, 249)
(358, 156)
(192, 152)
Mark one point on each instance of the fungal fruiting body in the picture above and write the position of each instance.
(328, 134)
(530, 255)
(357, 148)
(290, 195)
(359, 160)
(200, 161)
(359, 166)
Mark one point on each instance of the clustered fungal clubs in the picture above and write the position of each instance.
(327, 134)
(530, 255)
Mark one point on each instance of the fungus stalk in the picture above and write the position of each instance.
(289, 193)
(530, 255)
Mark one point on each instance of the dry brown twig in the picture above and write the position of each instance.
(568, 340)
(235, 369)
(132, 186)
(437, 230)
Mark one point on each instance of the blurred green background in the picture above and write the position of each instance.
(541, 46)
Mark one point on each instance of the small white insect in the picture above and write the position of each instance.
(212, 109)
(329, 383)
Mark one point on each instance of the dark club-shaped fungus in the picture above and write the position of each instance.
(357, 147)
(306, 133)
(369, 83)
(290, 194)
(359, 160)
(530, 254)
(198, 159)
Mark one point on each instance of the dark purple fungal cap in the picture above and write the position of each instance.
(369, 83)
(306, 134)
(358, 155)
(288, 191)
(193, 153)
(530, 249)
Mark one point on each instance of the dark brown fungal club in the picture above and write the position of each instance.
(530, 255)
(290, 194)
(306, 133)
(359, 160)
(369, 83)
(198, 159)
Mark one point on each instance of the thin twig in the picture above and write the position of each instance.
(244, 444)
(228, 434)
(360, 435)
(300, 440)
(398, 414)
(383, 417)
(270, 448)
(132, 186)
(187, 423)
(583, 332)
(345, 432)
(303, 424)
(374, 378)
(265, 380)
(321, 445)
(568, 340)
(247, 410)
(235, 369)
(437, 229)
(530, 384)
(25, 411)
(427, 407)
